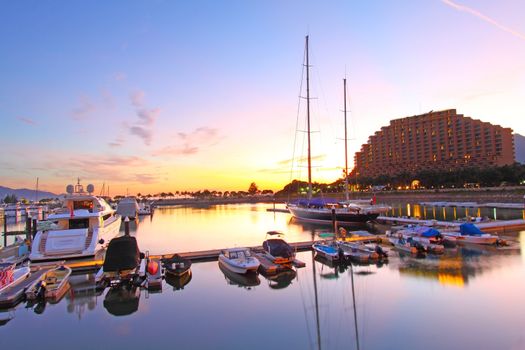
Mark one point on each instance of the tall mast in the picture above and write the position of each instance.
(308, 121)
(36, 194)
(346, 146)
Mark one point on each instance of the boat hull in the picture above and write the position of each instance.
(325, 215)
(490, 240)
(238, 268)
(72, 244)
(326, 252)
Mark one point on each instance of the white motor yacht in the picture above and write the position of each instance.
(84, 225)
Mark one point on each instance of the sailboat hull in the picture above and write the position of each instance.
(325, 215)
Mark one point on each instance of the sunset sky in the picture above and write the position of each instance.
(152, 96)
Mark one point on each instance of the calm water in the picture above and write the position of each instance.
(468, 299)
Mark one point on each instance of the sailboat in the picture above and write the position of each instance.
(327, 209)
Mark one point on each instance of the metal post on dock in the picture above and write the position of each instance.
(126, 226)
(28, 227)
(334, 222)
(33, 233)
(5, 230)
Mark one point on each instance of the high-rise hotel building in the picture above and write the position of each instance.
(441, 140)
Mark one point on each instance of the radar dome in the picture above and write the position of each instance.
(90, 188)
(70, 189)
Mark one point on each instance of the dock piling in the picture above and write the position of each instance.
(334, 222)
(126, 226)
(5, 231)
(34, 226)
(28, 227)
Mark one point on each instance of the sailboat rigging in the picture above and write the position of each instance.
(320, 209)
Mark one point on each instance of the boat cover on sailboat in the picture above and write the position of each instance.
(315, 202)
(278, 247)
(123, 254)
(468, 229)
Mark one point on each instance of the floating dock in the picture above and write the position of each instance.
(490, 226)
(475, 205)
(277, 210)
(197, 256)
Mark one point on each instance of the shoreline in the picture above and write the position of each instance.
(483, 195)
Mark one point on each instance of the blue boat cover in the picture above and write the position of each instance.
(425, 231)
(315, 202)
(468, 229)
(325, 248)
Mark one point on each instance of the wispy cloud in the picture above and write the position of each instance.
(191, 143)
(27, 121)
(85, 107)
(319, 157)
(119, 76)
(117, 143)
(107, 167)
(137, 98)
(143, 126)
(484, 18)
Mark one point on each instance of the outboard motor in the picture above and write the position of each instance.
(380, 251)
(341, 254)
(420, 248)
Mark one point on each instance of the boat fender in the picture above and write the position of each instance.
(153, 267)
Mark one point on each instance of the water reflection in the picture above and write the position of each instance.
(122, 300)
(248, 280)
(282, 279)
(457, 266)
(442, 213)
(318, 306)
(83, 294)
(177, 282)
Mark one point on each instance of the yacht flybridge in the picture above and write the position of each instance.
(83, 226)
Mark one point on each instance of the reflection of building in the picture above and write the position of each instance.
(435, 140)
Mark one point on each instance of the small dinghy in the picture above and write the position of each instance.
(327, 250)
(239, 260)
(407, 245)
(13, 281)
(177, 266)
(10, 276)
(429, 237)
(277, 250)
(53, 284)
(358, 252)
(470, 233)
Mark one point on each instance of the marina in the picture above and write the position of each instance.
(262, 175)
(210, 290)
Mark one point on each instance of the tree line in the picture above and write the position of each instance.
(507, 175)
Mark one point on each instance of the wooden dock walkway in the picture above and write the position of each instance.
(197, 256)
(213, 254)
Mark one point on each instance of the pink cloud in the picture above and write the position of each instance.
(27, 121)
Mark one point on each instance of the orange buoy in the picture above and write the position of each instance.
(153, 267)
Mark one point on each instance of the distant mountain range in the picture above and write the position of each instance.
(519, 148)
(25, 193)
